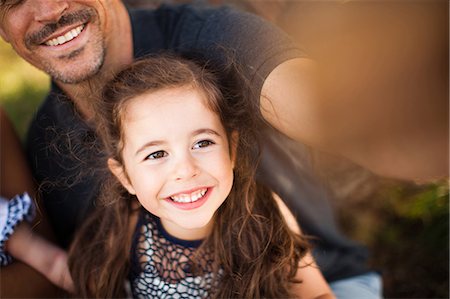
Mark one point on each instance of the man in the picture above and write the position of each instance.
(81, 44)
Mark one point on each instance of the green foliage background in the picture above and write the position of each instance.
(22, 88)
(405, 226)
(413, 240)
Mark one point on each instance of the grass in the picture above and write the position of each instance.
(409, 238)
(404, 225)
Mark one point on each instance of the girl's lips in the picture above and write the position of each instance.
(191, 205)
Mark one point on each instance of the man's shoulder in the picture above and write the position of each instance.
(176, 27)
(200, 10)
(169, 16)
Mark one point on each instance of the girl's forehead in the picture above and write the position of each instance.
(170, 111)
(166, 99)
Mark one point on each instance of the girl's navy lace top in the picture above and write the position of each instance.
(160, 264)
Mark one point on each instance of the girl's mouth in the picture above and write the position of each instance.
(191, 197)
(190, 200)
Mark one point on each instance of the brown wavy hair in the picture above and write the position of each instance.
(250, 240)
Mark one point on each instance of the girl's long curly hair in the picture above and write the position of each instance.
(250, 241)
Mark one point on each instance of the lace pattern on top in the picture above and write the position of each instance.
(160, 264)
(12, 213)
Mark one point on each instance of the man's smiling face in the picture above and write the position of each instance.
(66, 39)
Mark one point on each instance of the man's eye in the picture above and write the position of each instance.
(156, 155)
(203, 143)
(9, 3)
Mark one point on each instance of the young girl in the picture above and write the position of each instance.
(182, 197)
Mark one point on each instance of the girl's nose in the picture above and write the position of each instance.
(185, 168)
(49, 11)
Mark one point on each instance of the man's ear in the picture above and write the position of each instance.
(234, 140)
(118, 170)
(3, 35)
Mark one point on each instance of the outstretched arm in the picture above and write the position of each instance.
(367, 125)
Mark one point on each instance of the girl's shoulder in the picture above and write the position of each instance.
(287, 214)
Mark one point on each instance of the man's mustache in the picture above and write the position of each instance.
(37, 38)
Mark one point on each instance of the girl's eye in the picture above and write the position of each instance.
(156, 155)
(202, 144)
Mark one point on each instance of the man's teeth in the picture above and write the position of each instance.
(62, 39)
(193, 197)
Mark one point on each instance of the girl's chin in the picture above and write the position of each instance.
(195, 229)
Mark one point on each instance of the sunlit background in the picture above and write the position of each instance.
(405, 225)
(22, 87)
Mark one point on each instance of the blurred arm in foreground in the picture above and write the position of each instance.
(380, 95)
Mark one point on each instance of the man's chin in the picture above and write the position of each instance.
(76, 67)
(72, 79)
(75, 76)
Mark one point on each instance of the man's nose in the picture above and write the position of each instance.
(49, 11)
(185, 167)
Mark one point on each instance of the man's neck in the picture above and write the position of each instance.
(85, 94)
(119, 53)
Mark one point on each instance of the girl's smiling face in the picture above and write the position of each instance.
(176, 159)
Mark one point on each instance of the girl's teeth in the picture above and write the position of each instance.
(186, 198)
(66, 37)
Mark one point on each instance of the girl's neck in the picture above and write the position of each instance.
(187, 234)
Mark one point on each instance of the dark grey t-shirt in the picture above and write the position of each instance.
(62, 148)
(257, 46)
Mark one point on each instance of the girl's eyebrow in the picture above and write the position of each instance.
(159, 142)
(148, 144)
(205, 131)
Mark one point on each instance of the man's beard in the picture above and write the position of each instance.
(91, 66)
(82, 71)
